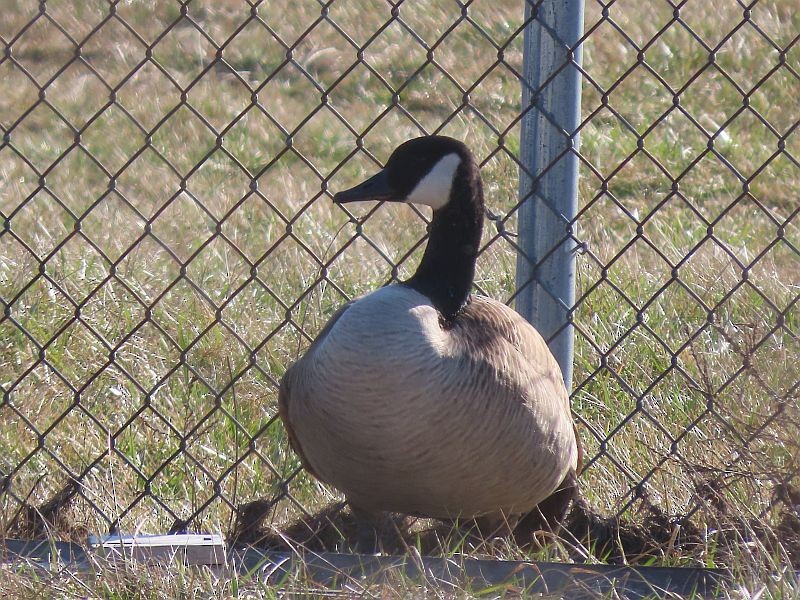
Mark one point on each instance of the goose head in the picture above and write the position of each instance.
(439, 172)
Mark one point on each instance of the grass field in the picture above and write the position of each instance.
(170, 246)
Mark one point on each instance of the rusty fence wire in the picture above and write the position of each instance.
(168, 244)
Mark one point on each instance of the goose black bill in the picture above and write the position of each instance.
(375, 188)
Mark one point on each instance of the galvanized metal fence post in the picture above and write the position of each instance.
(549, 173)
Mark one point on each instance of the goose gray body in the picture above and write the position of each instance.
(421, 398)
(403, 415)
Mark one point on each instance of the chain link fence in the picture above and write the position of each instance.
(169, 246)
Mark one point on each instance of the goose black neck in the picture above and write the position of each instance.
(447, 269)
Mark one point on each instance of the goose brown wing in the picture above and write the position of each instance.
(490, 318)
(492, 327)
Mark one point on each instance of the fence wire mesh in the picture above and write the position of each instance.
(169, 246)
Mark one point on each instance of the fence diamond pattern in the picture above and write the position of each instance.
(168, 243)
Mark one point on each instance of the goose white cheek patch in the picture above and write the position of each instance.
(434, 189)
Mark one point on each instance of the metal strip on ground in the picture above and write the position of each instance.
(336, 571)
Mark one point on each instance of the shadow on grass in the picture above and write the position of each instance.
(585, 534)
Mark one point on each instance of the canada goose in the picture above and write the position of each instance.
(420, 398)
